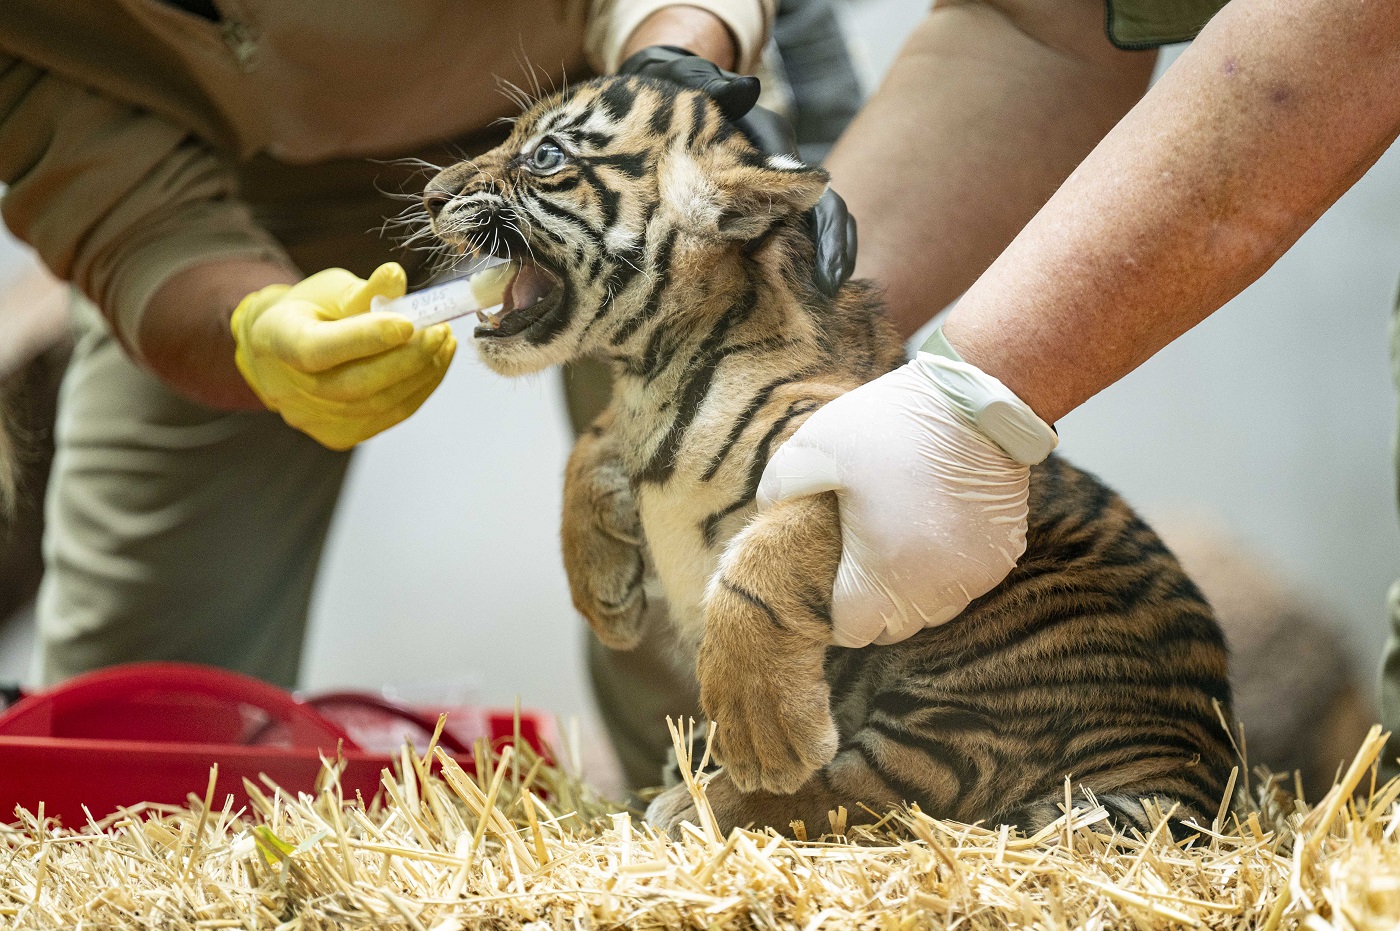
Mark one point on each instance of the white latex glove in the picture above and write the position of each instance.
(933, 511)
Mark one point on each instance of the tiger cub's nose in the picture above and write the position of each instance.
(434, 201)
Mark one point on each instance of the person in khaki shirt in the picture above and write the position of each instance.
(175, 159)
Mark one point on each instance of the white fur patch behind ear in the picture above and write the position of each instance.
(692, 198)
(784, 162)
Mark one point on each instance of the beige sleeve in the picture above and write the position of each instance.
(612, 22)
(113, 198)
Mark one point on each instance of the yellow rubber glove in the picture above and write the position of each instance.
(312, 353)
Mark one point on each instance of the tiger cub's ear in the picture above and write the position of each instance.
(755, 194)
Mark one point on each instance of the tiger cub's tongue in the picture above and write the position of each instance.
(529, 287)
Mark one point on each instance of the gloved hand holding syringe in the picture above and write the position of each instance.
(482, 293)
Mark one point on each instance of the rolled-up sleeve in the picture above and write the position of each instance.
(612, 22)
(114, 199)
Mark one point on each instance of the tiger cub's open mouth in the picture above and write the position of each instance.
(532, 294)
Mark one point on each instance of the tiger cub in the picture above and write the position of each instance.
(650, 233)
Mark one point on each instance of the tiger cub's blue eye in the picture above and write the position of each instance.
(547, 156)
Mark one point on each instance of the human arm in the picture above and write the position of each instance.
(687, 27)
(144, 219)
(1277, 109)
(730, 33)
(241, 335)
(184, 334)
(987, 109)
(118, 201)
(1243, 143)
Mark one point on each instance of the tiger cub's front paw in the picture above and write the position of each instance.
(762, 661)
(770, 735)
(762, 683)
(603, 557)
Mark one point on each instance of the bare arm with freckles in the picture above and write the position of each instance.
(1276, 110)
(185, 336)
(987, 109)
(688, 27)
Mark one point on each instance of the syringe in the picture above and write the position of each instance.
(481, 292)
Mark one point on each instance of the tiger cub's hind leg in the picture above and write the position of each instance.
(602, 540)
(767, 629)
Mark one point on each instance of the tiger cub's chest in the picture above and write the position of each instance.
(684, 556)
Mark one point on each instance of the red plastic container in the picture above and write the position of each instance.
(149, 732)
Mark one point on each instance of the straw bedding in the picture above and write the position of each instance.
(522, 844)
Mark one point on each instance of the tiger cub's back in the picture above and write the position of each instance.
(1096, 658)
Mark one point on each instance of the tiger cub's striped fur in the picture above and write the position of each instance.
(653, 235)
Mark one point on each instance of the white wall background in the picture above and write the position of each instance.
(1275, 415)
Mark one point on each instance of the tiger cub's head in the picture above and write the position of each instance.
(628, 203)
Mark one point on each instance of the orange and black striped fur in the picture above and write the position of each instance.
(678, 253)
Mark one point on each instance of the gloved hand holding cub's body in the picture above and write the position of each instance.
(312, 353)
(933, 509)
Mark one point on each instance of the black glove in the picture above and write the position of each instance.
(735, 93)
(832, 228)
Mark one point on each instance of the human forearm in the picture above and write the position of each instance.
(184, 335)
(113, 198)
(688, 27)
(988, 108)
(729, 33)
(1278, 108)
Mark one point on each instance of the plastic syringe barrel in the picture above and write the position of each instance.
(434, 305)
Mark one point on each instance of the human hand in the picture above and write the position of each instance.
(312, 353)
(933, 510)
(832, 228)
